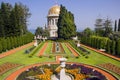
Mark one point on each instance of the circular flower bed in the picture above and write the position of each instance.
(77, 71)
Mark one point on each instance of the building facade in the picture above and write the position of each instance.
(52, 19)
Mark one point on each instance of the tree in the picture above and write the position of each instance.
(5, 16)
(108, 27)
(13, 20)
(45, 33)
(87, 32)
(119, 25)
(108, 46)
(99, 28)
(39, 31)
(19, 17)
(1, 46)
(2, 31)
(118, 47)
(113, 47)
(66, 25)
(115, 27)
(8, 43)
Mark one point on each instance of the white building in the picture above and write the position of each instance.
(52, 19)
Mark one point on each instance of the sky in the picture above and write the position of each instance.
(85, 11)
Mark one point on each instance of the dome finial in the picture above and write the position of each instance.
(56, 2)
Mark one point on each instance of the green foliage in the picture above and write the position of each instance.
(66, 25)
(36, 49)
(8, 43)
(42, 32)
(13, 42)
(13, 20)
(0, 46)
(119, 25)
(87, 32)
(118, 47)
(111, 46)
(108, 27)
(95, 41)
(103, 27)
(72, 43)
(108, 46)
(39, 31)
(115, 27)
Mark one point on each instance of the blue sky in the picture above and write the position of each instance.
(85, 11)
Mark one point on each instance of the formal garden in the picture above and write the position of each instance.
(67, 49)
(57, 52)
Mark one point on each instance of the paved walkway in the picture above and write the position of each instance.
(104, 53)
(43, 49)
(72, 50)
(57, 59)
(15, 50)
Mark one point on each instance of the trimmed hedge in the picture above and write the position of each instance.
(13, 42)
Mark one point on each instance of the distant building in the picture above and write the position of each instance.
(52, 19)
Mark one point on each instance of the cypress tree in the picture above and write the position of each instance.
(115, 27)
(4, 44)
(118, 47)
(119, 25)
(66, 25)
(0, 46)
(108, 46)
(2, 31)
(8, 43)
(5, 14)
(113, 47)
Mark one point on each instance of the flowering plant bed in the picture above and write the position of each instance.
(7, 66)
(44, 72)
(57, 48)
(111, 67)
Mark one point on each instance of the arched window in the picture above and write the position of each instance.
(52, 21)
(56, 20)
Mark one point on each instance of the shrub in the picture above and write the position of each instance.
(50, 56)
(77, 57)
(86, 56)
(40, 56)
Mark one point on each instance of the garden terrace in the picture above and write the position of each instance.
(21, 58)
(7, 66)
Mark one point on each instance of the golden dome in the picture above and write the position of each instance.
(54, 10)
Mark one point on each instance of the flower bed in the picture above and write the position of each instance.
(53, 48)
(111, 67)
(44, 72)
(61, 50)
(7, 66)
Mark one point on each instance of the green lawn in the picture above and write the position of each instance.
(20, 57)
(95, 58)
(49, 49)
(67, 51)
